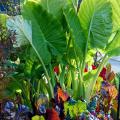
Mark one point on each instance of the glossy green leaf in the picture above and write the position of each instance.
(47, 34)
(113, 48)
(114, 52)
(96, 20)
(54, 6)
(116, 14)
(75, 29)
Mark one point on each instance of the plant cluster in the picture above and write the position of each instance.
(75, 109)
(57, 43)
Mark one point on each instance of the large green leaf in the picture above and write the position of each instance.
(116, 14)
(75, 3)
(22, 28)
(96, 20)
(52, 6)
(47, 34)
(75, 29)
(113, 48)
(114, 52)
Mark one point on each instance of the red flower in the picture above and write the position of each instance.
(85, 70)
(93, 67)
(52, 114)
(103, 73)
(56, 69)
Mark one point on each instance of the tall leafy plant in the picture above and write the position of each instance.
(95, 26)
(90, 28)
(48, 37)
(70, 33)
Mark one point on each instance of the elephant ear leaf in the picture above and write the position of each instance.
(22, 28)
(54, 6)
(116, 14)
(113, 48)
(75, 29)
(47, 33)
(96, 20)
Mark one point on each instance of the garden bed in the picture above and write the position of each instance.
(49, 60)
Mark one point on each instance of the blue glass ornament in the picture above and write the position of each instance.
(42, 109)
(23, 108)
(9, 105)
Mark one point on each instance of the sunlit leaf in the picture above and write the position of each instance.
(47, 34)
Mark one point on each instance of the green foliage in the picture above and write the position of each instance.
(38, 117)
(89, 85)
(90, 28)
(4, 33)
(75, 109)
(96, 20)
(113, 48)
(58, 34)
(75, 29)
(115, 14)
(90, 56)
(50, 6)
(3, 19)
(117, 80)
(47, 34)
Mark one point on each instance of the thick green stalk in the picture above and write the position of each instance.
(73, 78)
(52, 75)
(48, 78)
(84, 59)
(47, 75)
(38, 88)
(80, 82)
(74, 85)
(62, 75)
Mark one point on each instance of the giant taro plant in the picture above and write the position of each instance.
(65, 32)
